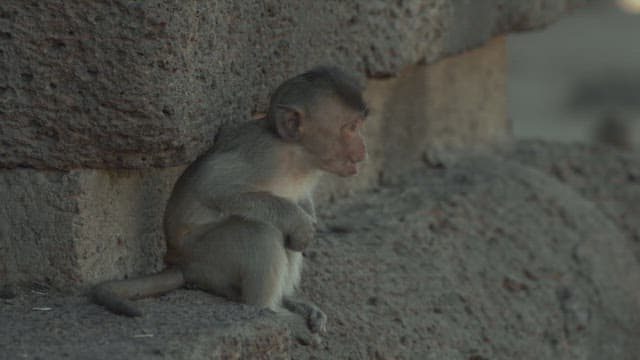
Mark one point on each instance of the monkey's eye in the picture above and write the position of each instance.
(352, 126)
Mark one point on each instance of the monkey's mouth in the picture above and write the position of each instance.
(344, 168)
(350, 168)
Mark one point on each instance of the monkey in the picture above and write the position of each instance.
(240, 216)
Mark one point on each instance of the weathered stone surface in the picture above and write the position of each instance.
(611, 179)
(455, 103)
(137, 84)
(482, 258)
(102, 224)
(186, 325)
(64, 229)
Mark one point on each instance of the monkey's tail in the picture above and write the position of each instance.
(116, 295)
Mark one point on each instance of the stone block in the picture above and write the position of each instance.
(120, 84)
(64, 229)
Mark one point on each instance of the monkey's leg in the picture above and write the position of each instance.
(244, 260)
(265, 268)
(315, 318)
(241, 259)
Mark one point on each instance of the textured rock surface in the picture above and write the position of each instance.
(183, 325)
(69, 228)
(109, 221)
(457, 102)
(138, 84)
(484, 259)
(480, 258)
(617, 189)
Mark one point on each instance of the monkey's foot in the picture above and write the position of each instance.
(308, 339)
(300, 329)
(317, 321)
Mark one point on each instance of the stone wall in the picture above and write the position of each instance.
(103, 103)
(65, 228)
(133, 84)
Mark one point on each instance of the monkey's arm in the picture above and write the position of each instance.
(291, 219)
(259, 205)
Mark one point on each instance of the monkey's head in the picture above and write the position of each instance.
(323, 111)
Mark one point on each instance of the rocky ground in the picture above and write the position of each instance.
(530, 251)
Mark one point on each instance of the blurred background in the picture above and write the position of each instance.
(579, 79)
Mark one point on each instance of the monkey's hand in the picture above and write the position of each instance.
(300, 233)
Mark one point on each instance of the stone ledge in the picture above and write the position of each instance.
(482, 257)
(186, 325)
(65, 229)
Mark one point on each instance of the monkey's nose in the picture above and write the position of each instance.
(358, 156)
(357, 153)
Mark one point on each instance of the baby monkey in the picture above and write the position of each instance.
(240, 216)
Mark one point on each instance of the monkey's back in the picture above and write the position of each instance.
(234, 164)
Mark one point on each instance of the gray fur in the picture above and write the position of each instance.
(240, 216)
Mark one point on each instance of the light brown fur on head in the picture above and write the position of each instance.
(323, 111)
(334, 136)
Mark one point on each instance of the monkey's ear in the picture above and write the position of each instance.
(289, 123)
